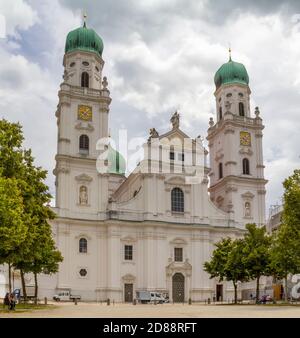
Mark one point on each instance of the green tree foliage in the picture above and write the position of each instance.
(285, 252)
(256, 253)
(227, 263)
(36, 252)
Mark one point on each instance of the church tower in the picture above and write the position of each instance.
(82, 119)
(237, 183)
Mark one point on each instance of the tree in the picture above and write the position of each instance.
(12, 227)
(285, 254)
(256, 253)
(36, 252)
(291, 198)
(227, 263)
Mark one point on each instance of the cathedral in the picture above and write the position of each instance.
(154, 228)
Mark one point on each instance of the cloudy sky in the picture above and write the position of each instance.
(160, 55)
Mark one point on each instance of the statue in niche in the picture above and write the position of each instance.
(83, 195)
(247, 209)
(175, 120)
(228, 106)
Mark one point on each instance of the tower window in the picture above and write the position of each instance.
(220, 170)
(172, 155)
(229, 95)
(97, 69)
(85, 63)
(128, 253)
(181, 157)
(241, 94)
(241, 109)
(177, 200)
(83, 245)
(84, 144)
(246, 166)
(72, 64)
(220, 113)
(85, 80)
(178, 254)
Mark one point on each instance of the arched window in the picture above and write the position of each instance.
(241, 109)
(177, 200)
(83, 245)
(85, 79)
(84, 144)
(220, 113)
(246, 166)
(220, 170)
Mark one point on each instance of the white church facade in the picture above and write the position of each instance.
(155, 228)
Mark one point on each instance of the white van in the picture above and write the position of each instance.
(150, 297)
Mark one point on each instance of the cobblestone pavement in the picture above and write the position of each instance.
(97, 310)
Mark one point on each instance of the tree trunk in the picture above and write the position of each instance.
(235, 292)
(35, 288)
(286, 289)
(9, 277)
(257, 289)
(23, 285)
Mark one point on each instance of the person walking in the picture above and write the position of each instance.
(12, 302)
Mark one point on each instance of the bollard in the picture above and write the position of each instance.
(75, 301)
(45, 300)
(113, 302)
(208, 301)
(108, 301)
(190, 301)
(134, 302)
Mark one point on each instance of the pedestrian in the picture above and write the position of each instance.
(12, 302)
(6, 300)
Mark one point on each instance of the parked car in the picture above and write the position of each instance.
(150, 297)
(66, 296)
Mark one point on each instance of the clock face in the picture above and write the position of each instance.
(85, 113)
(245, 138)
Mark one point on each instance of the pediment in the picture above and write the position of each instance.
(248, 195)
(174, 134)
(83, 178)
(128, 277)
(128, 239)
(178, 241)
(175, 180)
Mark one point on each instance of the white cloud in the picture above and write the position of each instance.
(18, 16)
(160, 56)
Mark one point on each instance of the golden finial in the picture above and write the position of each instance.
(84, 19)
(229, 50)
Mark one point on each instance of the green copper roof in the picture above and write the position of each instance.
(231, 72)
(116, 162)
(84, 39)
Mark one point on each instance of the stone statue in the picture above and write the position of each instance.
(247, 209)
(83, 196)
(175, 120)
(228, 106)
(257, 112)
(153, 133)
(104, 83)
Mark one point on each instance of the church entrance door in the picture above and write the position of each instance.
(178, 288)
(219, 292)
(128, 289)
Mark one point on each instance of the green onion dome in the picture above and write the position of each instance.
(84, 39)
(231, 72)
(116, 162)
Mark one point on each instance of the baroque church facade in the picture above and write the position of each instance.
(155, 228)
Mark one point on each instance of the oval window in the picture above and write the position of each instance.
(229, 95)
(83, 272)
(241, 94)
(72, 64)
(85, 63)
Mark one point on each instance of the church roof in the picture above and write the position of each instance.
(85, 39)
(231, 72)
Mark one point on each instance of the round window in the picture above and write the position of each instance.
(241, 95)
(83, 272)
(72, 64)
(229, 95)
(85, 63)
